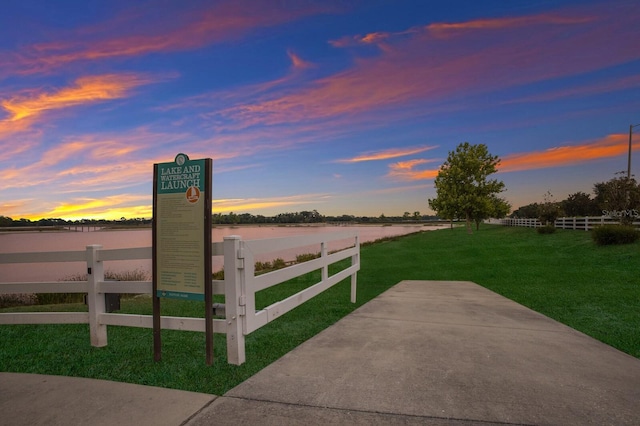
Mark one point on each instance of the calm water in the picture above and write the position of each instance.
(70, 241)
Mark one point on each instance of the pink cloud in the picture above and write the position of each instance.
(615, 85)
(417, 67)
(221, 21)
(442, 29)
(298, 62)
(386, 154)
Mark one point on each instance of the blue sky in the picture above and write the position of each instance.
(342, 107)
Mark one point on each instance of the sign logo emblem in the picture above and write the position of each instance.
(193, 194)
(180, 159)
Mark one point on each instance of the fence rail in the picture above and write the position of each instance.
(576, 223)
(239, 286)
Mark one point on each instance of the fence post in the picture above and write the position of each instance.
(95, 300)
(233, 303)
(325, 267)
(355, 260)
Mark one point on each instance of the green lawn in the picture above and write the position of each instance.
(563, 275)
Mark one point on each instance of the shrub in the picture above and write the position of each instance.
(20, 299)
(614, 234)
(546, 229)
(219, 275)
(301, 258)
(263, 267)
(279, 263)
(57, 298)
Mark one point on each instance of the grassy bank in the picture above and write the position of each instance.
(564, 275)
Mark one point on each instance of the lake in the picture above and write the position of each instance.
(14, 242)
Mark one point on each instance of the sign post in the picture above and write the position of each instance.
(182, 239)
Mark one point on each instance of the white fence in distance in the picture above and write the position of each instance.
(239, 286)
(576, 223)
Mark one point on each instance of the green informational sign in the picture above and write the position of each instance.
(182, 227)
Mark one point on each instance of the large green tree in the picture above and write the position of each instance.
(464, 190)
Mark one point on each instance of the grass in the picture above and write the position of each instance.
(595, 289)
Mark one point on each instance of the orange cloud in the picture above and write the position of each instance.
(113, 207)
(132, 206)
(607, 147)
(85, 90)
(387, 154)
(404, 170)
(15, 208)
(610, 146)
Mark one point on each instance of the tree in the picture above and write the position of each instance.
(529, 211)
(495, 207)
(549, 210)
(619, 197)
(462, 185)
(580, 204)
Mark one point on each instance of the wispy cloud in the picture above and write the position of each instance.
(609, 86)
(92, 162)
(386, 154)
(379, 38)
(443, 29)
(419, 68)
(399, 189)
(253, 204)
(221, 21)
(297, 62)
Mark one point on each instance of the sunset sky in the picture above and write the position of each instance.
(345, 107)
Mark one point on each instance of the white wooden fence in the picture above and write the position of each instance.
(239, 286)
(578, 223)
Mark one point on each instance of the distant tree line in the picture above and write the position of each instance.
(231, 219)
(313, 217)
(619, 196)
(9, 222)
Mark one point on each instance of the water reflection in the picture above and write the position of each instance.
(70, 241)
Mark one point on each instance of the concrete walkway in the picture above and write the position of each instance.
(424, 352)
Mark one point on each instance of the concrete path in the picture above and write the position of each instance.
(424, 352)
(35, 399)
